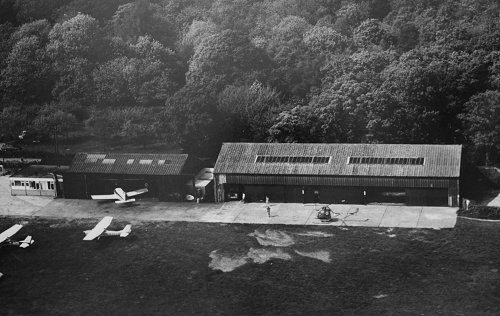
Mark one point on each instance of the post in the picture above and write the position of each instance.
(216, 199)
(56, 148)
(54, 178)
(86, 189)
(316, 198)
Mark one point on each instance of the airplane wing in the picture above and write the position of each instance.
(105, 197)
(10, 232)
(137, 192)
(99, 228)
(125, 201)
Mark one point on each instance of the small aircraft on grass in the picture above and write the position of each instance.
(120, 195)
(100, 230)
(5, 237)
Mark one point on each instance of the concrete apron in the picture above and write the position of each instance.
(229, 212)
(347, 215)
(251, 213)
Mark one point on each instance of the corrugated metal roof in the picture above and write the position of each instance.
(439, 160)
(119, 163)
(39, 171)
(202, 178)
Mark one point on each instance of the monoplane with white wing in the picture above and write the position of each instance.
(120, 195)
(5, 237)
(100, 230)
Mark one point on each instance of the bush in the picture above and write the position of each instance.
(481, 212)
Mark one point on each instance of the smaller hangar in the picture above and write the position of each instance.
(339, 173)
(165, 175)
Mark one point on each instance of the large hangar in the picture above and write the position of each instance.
(165, 175)
(339, 173)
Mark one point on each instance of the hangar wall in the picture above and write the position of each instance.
(353, 190)
(165, 188)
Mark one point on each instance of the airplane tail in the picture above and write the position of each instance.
(26, 242)
(126, 231)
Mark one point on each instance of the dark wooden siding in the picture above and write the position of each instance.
(165, 188)
(357, 190)
(74, 186)
(341, 181)
(172, 188)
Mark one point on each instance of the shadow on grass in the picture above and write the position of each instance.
(105, 242)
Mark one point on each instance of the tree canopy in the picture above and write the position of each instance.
(200, 72)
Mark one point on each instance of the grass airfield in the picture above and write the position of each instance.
(180, 268)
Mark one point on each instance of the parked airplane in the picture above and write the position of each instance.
(120, 195)
(5, 237)
(100, 230)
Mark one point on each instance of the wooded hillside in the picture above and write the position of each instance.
(200, 72)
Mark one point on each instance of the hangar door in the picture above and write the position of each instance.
(427, 197)
(386, 195)
(303, 194)
(414, 197)
(258, 193)
(339, 195)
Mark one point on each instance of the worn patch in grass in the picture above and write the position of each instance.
(273, 238)
(264, 255)
(319, 255)
(315, 234)
(163, 269)
(226, 263)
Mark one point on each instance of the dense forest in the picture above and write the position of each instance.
(201, 72)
